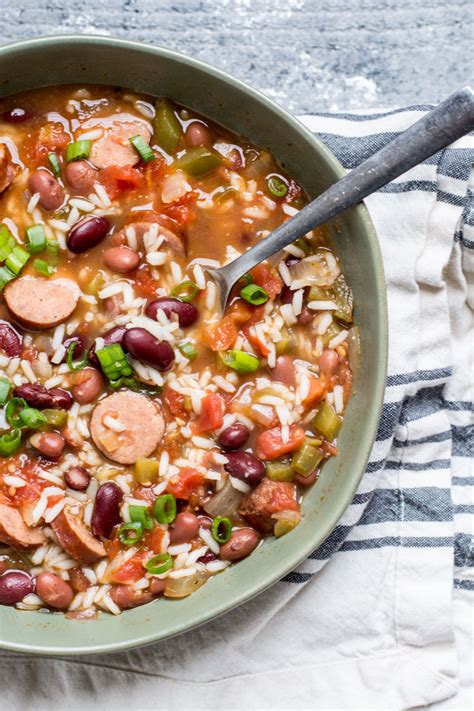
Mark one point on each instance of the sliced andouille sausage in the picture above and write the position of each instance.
(266, 499)
(8, 170)
(76, 539)
(114, 147)
(39, 303)
(136, 427)
(141, 230)
(15, 532)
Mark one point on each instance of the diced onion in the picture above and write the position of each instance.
(182, 587)
(225, 502)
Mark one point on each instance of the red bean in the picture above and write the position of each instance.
(205, 522)
(90, 383)
(10, 341)
(121, 259)
(157, 586)
(245, 466)
(54, 591)
(207, 557)
(284, 370)
(40, 397)
(79, 581)
(126, 598)
(51, 193)
(242, 542)
(114, 335)
(79, 348)
(87, 234)
(197, 134)
(328, 361)
(106, 512)
(49, 444)
(286, 295)
(77, 478)
(305, 480)
(148, 349)
(234, 436)
(14, 585)
(81, 176)
(184, 529)
(16, 115)
(305, 317)
(187, 313)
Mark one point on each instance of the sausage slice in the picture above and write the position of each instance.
(139, 421)
(266, 499)
(114, 147)
(8, 170)
(141, 229)
(39, 303)
(15, 532)
(76, 539)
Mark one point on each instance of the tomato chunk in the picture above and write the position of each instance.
(268, 278)
(175, 402)
(189, 480)
(119, 178)
(131, 571)
(212, 414)
(316, 392)
(220, 336)
(271, 446)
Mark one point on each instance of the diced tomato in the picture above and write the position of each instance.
(316, 392)
(175, 402)
(220, 336)
(189, 480)
(154, 538)
(268, 278)
(212, 414)
(329, 449)
(145, 284)
(255, 342)
(180, 210)
(131, 571)
(282, 498)
(270, 445)
(153, 171)
(113, 547)
(50, 137)
(119, 178)
(29, 353)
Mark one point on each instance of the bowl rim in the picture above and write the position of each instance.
(372, 416)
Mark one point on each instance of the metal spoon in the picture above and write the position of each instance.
(450, 120)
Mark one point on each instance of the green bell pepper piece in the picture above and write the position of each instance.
(327, 422)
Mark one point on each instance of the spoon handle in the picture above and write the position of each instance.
(450, 120)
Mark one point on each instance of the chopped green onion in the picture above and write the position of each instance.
(254, 294)
(247, 278)
(52, 248)
(168, 129)
(5, 387)
(54, 163)
(142, 148)
(7, 242)
(32, 418)
(114, 362)
(10, 443)
(5, 276)
(186, 291)
(221, 529)
(277, 186)
(130, 533)
(43, 267)
(241, 362)
(188, 350)
(57, 418)
(12, 409)
(164, 508)
(36, 238)
(78, 150)
(17, 259)
(159, 564)
(141, 515)
(70, 355)
(199, 161)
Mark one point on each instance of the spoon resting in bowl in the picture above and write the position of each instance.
(447, 122)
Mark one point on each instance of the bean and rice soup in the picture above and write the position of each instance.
(147, 442)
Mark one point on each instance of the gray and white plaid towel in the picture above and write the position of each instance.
(368, 620)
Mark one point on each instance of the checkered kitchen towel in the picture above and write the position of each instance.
(368, 620)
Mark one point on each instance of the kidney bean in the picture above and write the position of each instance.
(49, 444)
(40, 397)
(10, 341)
(157, 586)
(197, 134)
(328, 361)
(54, 591)
(50, 191)
(286, 295)
(242, 542)
(126, 598)
(16, 115)
(77, 478)
(106, 512)
(114, 335)
(207, 557)
(187, 313)
(81, 176)
(284, 370)
(79, 349)
(79, 581)
(291, 260)
(90, 383)
(72, 437)
(305, 316)
(305, 480)
(234, 436)
(87, 234)
(14, 585)
(121, 259)
(184, 528)
(245, 466)
(148, 349)
(205, 522)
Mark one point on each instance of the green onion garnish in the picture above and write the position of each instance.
(164, 508)
(188, 350)
(17, 259)
(186, 291)
(12, 410)
(141, 515)
(159, 564)
(10, 443)
(241, 362)
(32, 418)
(130, 533)
(5, 387)
(277, 186)
(52, 249)
(247, 278)
(221, 529)
(78, 150)
(36, 238)
(142, 148)
(114, 362)
(54, 163)
(70, 355)
(5, 276)
(254, 294)
(7, 242)
(43, 267)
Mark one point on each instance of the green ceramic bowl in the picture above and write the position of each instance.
(63, 60)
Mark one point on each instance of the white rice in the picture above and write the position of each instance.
(338, 340)
(322, 305)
